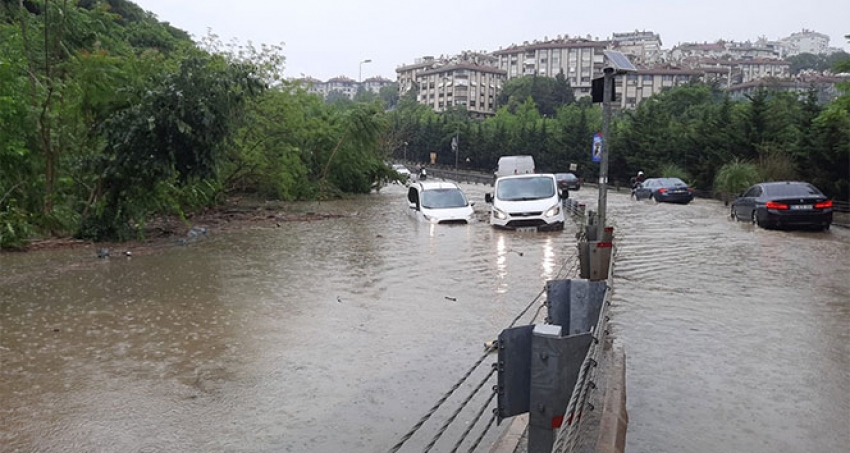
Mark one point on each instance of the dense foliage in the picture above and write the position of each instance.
(109, 117)
(690, 132)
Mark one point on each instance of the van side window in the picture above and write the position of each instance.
(413, 197)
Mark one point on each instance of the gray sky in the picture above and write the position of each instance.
(328, 38)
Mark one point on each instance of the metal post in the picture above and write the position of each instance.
(457, 151)
(607, 99)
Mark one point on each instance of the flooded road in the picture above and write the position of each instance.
(337, 335)
(334, 335)
(737, 338)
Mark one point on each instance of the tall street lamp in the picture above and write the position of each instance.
(360, 74)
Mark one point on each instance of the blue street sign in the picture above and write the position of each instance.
(597, 147)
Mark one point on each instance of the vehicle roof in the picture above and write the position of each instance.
(432, 185)
(558, 175)
(526, 175)
(782, 183)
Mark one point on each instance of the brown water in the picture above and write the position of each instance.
(737, 338)
(338, 335)
(325, 336)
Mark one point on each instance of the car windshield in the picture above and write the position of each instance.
(518, 189)
(792, 190)
(399, 167)
(565, 177)
(443, 198)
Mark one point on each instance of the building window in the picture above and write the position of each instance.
(647, 79)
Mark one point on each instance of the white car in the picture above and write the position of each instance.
(526, 203)
(402, 170)
(439, 202)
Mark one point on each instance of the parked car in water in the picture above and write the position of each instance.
(402, 170)
(567, 181)
(670, 190)
(784, 204)
(439, 202)
(526, 203)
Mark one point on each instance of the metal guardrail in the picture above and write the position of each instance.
(567, 437)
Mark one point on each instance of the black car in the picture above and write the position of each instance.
(671, 190)
(784, 204)
(567, 181)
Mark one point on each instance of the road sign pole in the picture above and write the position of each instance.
(607, 99)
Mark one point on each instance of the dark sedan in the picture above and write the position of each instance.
(783, 205)
(670, 190)
(567, 181)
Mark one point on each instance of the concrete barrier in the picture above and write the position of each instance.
(615, 418)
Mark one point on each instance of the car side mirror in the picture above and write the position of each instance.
(472, 203)
(488, 197)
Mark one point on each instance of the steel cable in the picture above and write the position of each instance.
(483, 433)
(436, 406)
(457, 411)
(473, 422)
(572, 259)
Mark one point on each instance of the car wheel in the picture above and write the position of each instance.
(732, 214)
(756, 218)
(826, 227)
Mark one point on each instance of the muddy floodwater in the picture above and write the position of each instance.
(326, 336)
(337, 335)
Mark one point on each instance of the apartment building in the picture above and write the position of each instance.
(634, 88)
(466, 84)
(406, 74)
(824, 86)
(581, 60)
(642, 47)
(314, 86)
(807, 41)
(343, 84)
(743, 71)
(374, 84)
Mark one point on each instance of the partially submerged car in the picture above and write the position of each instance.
(567, 181)
(784, 204)
(670, 190)
(439, 202)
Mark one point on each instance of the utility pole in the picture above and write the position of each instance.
(607, 98)
(618, 63)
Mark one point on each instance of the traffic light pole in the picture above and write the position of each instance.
(607, 99)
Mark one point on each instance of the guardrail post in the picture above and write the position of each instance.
(595, 255)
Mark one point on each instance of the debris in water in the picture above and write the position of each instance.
(453, 299)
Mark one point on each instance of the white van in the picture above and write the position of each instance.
(439, 202)
(526, 203)
(515, 165)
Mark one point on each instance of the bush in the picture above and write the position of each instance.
(735, 177)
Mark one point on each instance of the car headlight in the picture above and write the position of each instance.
(499, 214)
(553, 211)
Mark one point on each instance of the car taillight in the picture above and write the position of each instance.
(824, 205)
(691, 189)
(662, 190)
(775, 205)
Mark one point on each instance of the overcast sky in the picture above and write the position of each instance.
(326, 38)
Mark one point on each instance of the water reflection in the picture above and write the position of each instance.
(315, 336)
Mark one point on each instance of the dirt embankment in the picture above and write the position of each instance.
(237, 213)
